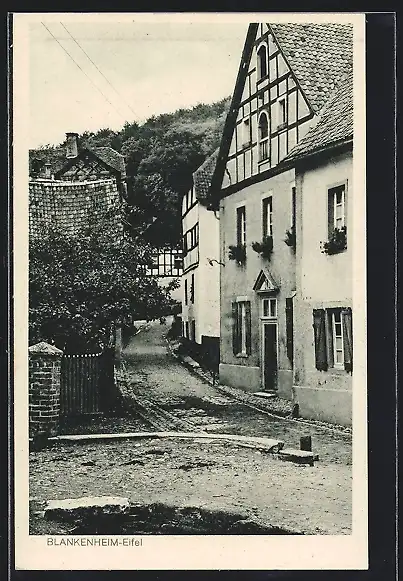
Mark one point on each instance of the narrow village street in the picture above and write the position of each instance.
(156, 375)
(193, 485)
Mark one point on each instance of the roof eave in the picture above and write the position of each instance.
(345, 143)
(213, 198)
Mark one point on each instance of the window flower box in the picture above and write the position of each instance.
(265, 247)
(337, 241)
(237, 253)
(290, 238)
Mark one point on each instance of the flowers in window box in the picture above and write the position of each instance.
(265, 247)
(290, 238)
(237, 253)
(337, 241)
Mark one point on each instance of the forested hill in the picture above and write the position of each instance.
(161, 155)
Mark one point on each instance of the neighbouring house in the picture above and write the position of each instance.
(323, 353)
(167, 266)
(86, 163)
(200, 281)
(287, 74)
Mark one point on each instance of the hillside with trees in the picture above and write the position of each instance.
(161, 155)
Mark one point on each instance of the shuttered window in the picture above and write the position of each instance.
(241, 328)
(333, 333)
(319, 330)
(347, 325)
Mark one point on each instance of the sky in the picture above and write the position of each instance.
(138, 69)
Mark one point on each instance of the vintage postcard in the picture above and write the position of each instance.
(190, 291)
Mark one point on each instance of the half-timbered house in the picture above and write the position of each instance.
(87, 163)
(201, 271)
(287, 74)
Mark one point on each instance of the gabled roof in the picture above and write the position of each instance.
(202, 176)
(108, 157)
(111, 157)
(318, 54)
(334, 125)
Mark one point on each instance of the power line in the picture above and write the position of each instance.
(82, 70)
(98, 69)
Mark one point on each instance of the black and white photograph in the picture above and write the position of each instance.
(190, 238)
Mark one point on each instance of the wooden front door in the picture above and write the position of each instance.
(270, 356)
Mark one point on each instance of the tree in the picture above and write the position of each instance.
(161, 155)
(82, 284)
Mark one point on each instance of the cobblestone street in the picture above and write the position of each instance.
(167, 476)
(156, 375)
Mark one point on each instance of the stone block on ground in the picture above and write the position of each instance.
(299, 456)
(73, 508)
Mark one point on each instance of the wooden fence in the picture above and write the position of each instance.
(86, 383)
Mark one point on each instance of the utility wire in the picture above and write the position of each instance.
(98, 69)
(82, 70)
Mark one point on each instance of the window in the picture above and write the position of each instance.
(281, 113)
(269, 308)
(246, 132)
(337, 220)
(241, 330)
(262, 61)
(337, 207)
(267, 216)
(333, 339)
(337, 338)
(186, 291)
(241, 225)
(263, 132)
(191, 238)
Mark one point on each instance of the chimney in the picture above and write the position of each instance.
(71, 145)
(48, 170)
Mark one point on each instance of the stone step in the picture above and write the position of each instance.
(265, 394)
(298, 456)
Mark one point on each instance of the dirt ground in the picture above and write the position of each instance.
(212, 474)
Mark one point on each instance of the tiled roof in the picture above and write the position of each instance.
(111, 157)
(66, 205)
(334, 124)
(319, 55)
(202, 176)
(113, 160)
